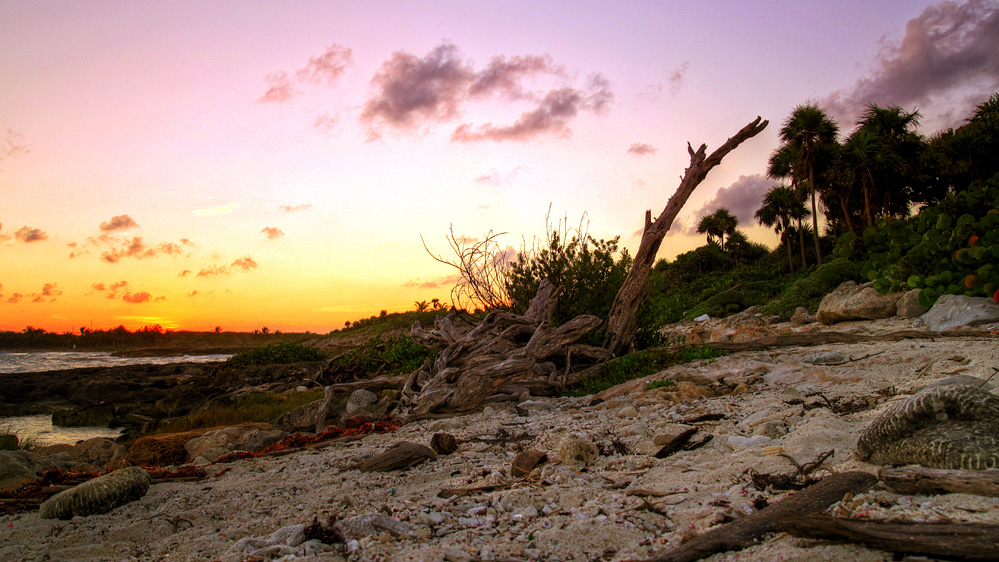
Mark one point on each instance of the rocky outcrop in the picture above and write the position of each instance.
(20, 467)
(801, 317)
(908, 305)
(955, 311)
(102, 454)
(856, 302)
(97, 496)
(217, 443)
(162, 449)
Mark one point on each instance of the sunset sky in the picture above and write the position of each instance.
(246, 164)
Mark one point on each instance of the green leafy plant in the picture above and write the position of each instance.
(378, 355)
(640, 364)
(275, 354)
(263, 407)
(665, 383)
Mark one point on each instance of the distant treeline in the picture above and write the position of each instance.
(149, 337)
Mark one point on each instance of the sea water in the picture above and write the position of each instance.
(39, 427)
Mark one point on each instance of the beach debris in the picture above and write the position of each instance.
(525, 462)
(443, 443)
(99, 495)
(400, 456)
(287, 541)
(916, 480)
(952, 426)
(354, 528)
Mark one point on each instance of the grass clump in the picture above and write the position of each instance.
(664, 383)
(263, 407)
(10, 441)
(275, 354)
(640, 364)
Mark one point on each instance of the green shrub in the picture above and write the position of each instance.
(810, 286)
(640, 364)
(275, 354)
(665, 383)
(378, 356)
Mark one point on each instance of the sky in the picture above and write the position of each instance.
(256, 164)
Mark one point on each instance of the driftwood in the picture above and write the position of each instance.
(506, 354)
(398, 457)
(919, 480)
(971, 541)
(743, 532)
(622, 321)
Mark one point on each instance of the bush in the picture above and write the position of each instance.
(275, 354)
(810, 286)
(9, 441)
(585, 269)
(377, 356)
(640, 364)
(263, 407)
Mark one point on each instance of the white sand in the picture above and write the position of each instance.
(563, 514)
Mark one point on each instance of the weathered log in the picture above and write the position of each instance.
(970, 541)
(743, 532)
(622, 321)
(397, 457)
(919, 480)
(675, 444)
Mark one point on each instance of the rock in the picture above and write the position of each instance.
(575, 451)
(627, 412)
(801, 317)
(366, 405)
(962, 379)
(528, 406)
(302, 418)
(525, 462)
(740, 442)
(908, 305)
(97, 496)
(83, 416)
(825, 358)
(287, 543)
(20, 467)
(954, 426)
(102, 454)
(954, 311)
(162, 449)
(371, 524)
(856, 302)
(745, 326)
(443, 443)
(397, 457)
(217, 443)
(331, 409)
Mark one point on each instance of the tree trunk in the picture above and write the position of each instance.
(801, 244)
(815, 215)
(622, 321)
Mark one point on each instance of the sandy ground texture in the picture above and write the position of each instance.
(624, 505)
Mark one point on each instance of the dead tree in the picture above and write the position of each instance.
(505, 356)
(621, 323)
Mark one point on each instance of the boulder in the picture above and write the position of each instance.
(162, 449)
(217, 443)
(331, 409)
(801, 317)
(97, 496)
(955, 311)
(20, 467)
(908, 305)
(102, 454)
(302, 418)
(745, 326)
(856, 302)
(367, 406)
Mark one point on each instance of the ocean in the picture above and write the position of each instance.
(40, 428)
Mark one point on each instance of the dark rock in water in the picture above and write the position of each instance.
(443, 443)
(97, 496)
(954, 426)
(83, 416)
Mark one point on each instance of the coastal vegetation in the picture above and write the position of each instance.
(262, 407)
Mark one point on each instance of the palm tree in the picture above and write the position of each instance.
(809, 131)
(782, 164)
(863, 152)
(900, 148)
(780, 207)
(717, 225)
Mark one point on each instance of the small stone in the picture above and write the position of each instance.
(825, 358)
(443, 443)
(627, 412)
(528, 406)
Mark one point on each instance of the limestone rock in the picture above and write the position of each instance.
(162, 449)
(825, 358)
(801, 317)
(575, 451)
(20, 467)
(366, 405)
(908, 305)
(745, 326)
(216, 443)
(371, 524)
(856, 302)
(99, 495)
(102, 454)
(954, 311)
(302, 418)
